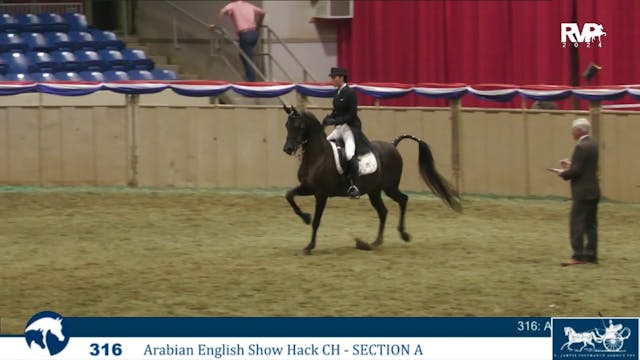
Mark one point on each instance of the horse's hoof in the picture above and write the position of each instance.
(405, 236)
(306, 252)
(362, 245)
(306, 218)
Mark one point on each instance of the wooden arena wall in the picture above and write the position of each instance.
(169, 140)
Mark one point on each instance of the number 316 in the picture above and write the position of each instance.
(106, 349)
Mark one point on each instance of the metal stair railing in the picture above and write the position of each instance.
(227, 36)
(214, 41)
(271, 34)
(221, 34)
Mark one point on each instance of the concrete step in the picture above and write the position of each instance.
(174, 68)
(129, 39)
(158, 59)
(161, 61)
(188, 77)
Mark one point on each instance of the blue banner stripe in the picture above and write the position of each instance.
(306, 327)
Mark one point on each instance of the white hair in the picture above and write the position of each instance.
(582, 124)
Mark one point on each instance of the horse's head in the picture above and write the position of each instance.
(567, 330)
(300, 127)
(56, 328)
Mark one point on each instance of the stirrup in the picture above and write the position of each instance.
(353, 192)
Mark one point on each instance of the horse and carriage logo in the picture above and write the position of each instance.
(587, 336)
(44, 333)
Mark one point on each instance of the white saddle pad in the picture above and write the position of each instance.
(367, 163)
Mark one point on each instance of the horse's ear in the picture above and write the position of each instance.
(286, 109)
(295, 112)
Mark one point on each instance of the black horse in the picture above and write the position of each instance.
(318, 175)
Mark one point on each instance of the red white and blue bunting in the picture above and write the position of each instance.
(383, 90)
(200, 88)
(262, 90)
(493, 92)
(441, 91)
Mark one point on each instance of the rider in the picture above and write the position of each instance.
(348, 126)
(613, 328)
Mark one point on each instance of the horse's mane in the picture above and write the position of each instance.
(311, 119)
(310, 115)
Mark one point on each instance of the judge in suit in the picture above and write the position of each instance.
(582, 171)
(347, 126)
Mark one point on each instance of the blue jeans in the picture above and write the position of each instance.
(247, 41)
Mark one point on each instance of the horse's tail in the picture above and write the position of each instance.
(438, 184)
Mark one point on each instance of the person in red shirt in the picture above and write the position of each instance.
(246, 17)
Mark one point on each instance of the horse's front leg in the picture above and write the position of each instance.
(321, 202)
(299, 190)
(376, 201)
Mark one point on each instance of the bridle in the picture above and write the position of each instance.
(299, 141)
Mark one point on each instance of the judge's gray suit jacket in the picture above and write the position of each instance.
(583, 171)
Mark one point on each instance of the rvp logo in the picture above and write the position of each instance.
(588, 34)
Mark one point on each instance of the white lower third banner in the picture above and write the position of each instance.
(286, 348)
(47, 335)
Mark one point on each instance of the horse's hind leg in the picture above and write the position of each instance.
(376, 201)
(401, 199)
(321, 202)
(298, 190)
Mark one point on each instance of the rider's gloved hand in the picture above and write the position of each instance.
(328, 120)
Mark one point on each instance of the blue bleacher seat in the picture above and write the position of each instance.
(66, 61)
(60, 40)
(4, 67)
(40, 61)
(38, 42)
(8, 23)
(114, 60)
(90, 60)
(92, 76)
(53, 22)
(12, 42)
(137, 59)
(113, 75)
(107, 40)
(17, 62)
(29, 22)
(18, 77)
(140, 74)
(68, 76)
(83, 40)
(2, 78)
(40, 77)
(76, 21)
(164, 74)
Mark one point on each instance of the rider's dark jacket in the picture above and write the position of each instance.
(345, 111)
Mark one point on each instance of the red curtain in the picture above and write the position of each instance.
(479, 42)
(619, 55)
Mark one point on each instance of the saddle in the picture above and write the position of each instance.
(367, 163)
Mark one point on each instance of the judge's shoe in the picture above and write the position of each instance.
(573, 262)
